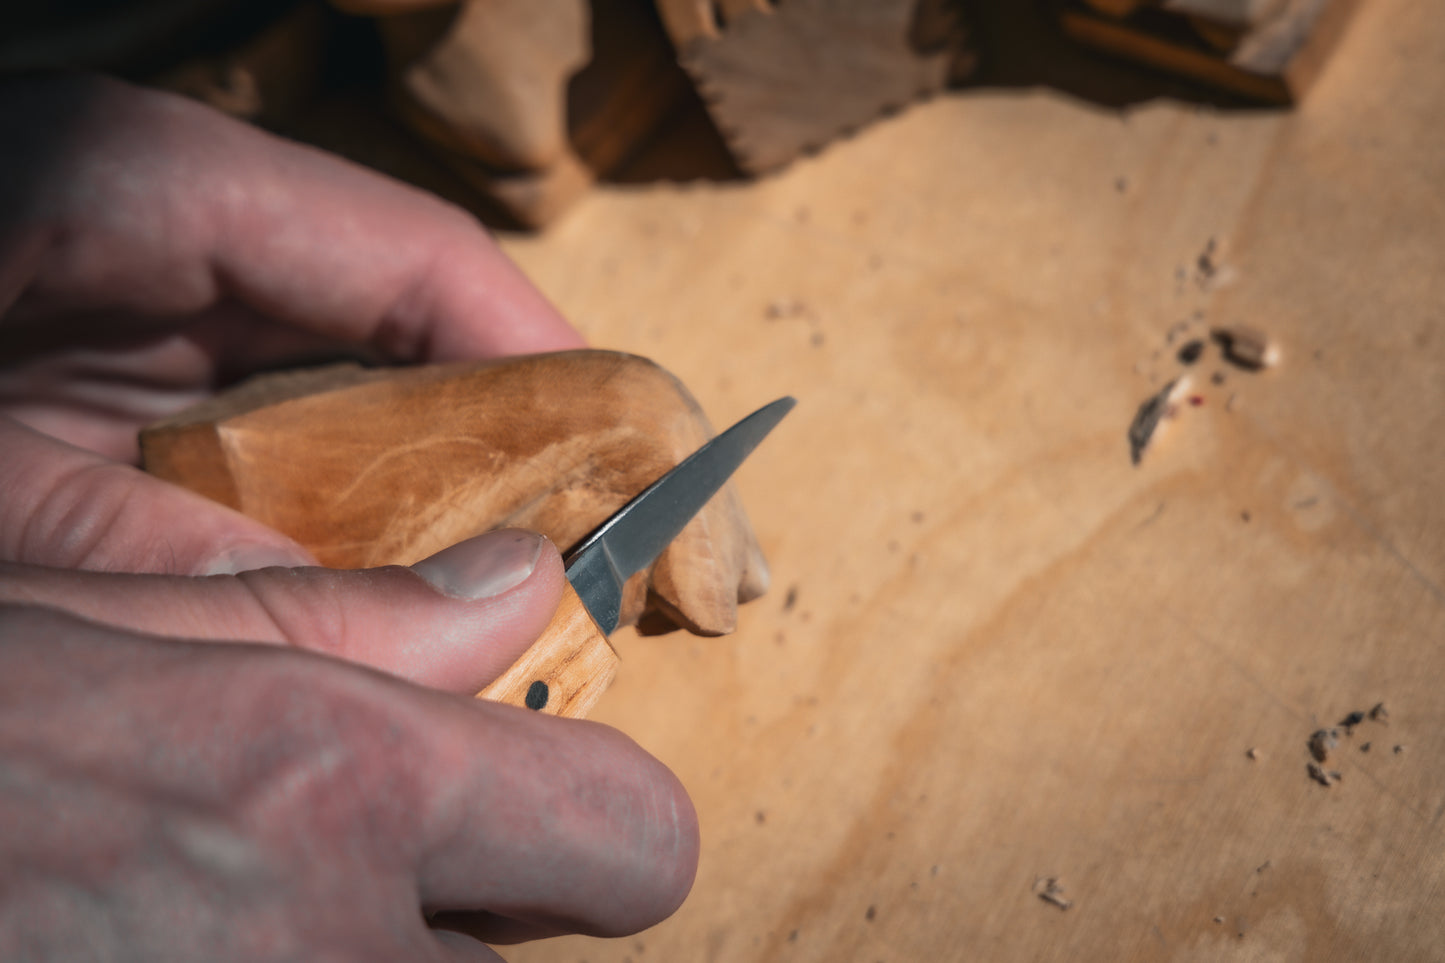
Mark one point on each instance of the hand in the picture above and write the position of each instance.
(151, 250)
(167, 797)
(169, 800)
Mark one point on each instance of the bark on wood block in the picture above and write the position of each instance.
(1265, 50)
(370, 467)
(782, 79)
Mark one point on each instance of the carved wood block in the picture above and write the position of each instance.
(528, 101)
(781, 79)
(370, 467)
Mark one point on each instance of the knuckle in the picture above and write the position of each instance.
(92, 515)
(329, 749)
(307, 609)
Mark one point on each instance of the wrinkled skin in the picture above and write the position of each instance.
(185, 801)
(179, 777)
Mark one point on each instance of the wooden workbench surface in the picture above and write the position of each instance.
(996, 652)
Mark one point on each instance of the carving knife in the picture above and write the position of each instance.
(572, 664)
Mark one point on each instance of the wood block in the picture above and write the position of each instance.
(780, 80)
(530, 103)
(1269, 52)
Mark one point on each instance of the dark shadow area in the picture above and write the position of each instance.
(663, 133)
(1023, 46)
(685, 147)
(1017, 44)
(634, 115)
(129, 38)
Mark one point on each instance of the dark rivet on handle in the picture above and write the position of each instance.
(537, 695)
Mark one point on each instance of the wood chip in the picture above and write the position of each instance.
(1379, 713)
(1049, 890)
(1205, 264)
(1151, 413)
(1322, 741)
(1246, 347)
(1191, 351)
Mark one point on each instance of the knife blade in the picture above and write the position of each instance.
(569, 667)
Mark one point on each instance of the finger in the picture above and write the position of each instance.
(352, 777)
(69, 508)
(97, 393)
(454, 621)
(160, 206)
(595, 835)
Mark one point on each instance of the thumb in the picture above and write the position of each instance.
(454, 621)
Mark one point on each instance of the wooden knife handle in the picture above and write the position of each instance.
(565, 671)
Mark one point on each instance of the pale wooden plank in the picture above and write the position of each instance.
(1010, 654)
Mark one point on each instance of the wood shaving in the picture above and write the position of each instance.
(1322, 741)
(1191, 351)
(1152, 412)
(1049, 890)
(1247, 347)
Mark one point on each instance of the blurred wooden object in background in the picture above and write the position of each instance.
(528, 101)
(783, 79)
(1269, 51)
(522, 103)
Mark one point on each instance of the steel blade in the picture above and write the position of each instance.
(637, 533)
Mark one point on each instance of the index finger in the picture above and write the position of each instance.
(155, 206)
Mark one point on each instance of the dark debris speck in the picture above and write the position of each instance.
(1191, 351)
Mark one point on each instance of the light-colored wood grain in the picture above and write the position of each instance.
(572, 659)
(1009, 653)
